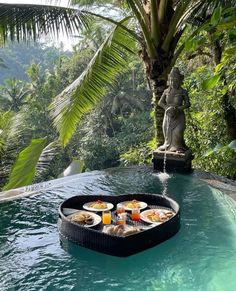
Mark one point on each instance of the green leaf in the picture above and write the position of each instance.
(210, 82)
(226, 25)
(230, 51)
(208, 153)
(191, 44)
(23, 170)
(47, 155)
(77, 99)
(219, 67)
(215, 18)
(219, 148)
(232, 38)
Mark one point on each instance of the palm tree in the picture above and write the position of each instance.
(155, 26)
(158, 28)
(13, 94)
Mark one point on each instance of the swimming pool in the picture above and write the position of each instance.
(201, 256)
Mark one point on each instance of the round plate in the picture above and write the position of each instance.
(142, 205)
(143, 215)
(97, 219)
(87, 207)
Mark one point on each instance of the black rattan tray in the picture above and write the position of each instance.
(95, 239)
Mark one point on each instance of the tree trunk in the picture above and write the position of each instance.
(217, 51)
(158, 86)
(229, 116)
(155, 71)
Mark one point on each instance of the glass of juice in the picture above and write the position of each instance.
(121, 218)
(106, 217)
(135, 215)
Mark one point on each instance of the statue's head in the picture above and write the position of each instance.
(175, 78)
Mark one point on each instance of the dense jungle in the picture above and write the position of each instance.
(119, 126)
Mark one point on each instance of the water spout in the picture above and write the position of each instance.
(163, 177)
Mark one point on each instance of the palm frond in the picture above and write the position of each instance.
(2, 64)
(93, 2)
(2, 142)
(203, 11)
(133, 4)
(47, 155)
(78, 98)
(26, 22)
(5, 122)
(179, 11)
(195, 9)
(18, 126)
(108, 19)
(23, 170)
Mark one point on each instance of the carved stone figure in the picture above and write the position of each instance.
(174, 100)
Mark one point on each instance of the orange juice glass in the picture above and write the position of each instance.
(106, 217)
(121, 218)
(135, 215)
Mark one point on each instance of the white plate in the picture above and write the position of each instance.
(143, 215)
(87, 207)
(142, 205)
(97, 219)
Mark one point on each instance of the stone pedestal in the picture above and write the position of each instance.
(175, 162)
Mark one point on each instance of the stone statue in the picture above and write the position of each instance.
(174, 100)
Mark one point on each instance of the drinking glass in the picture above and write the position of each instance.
(121, 218)
(106, 217)
(135, 215)
(120, 208)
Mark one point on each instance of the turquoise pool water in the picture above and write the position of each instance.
(200, 257)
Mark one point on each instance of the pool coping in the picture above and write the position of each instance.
(219, 182)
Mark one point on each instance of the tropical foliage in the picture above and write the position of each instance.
(118, 128)
(157, 29)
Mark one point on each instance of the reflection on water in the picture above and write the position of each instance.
(200, 257)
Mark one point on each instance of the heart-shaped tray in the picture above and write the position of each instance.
(151, 233)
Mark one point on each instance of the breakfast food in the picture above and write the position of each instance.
(132, 204)
(120, 230)
(82, 218)
(159, 215)
(98, 205)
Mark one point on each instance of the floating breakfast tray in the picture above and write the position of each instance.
(93, 238)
